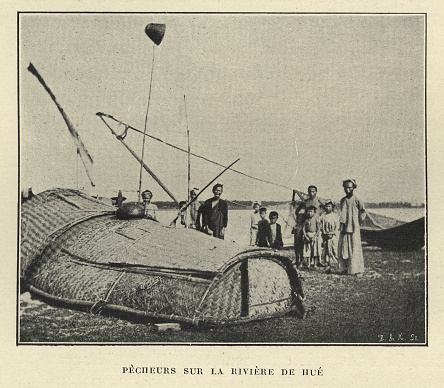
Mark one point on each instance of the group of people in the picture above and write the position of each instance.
(210, 217)
(324, 235)
(264, 233)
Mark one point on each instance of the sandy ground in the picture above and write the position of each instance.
(385, 306)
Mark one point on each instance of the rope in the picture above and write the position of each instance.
(193, 154)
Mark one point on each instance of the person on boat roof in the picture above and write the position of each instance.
(194, 211)
(215, 213)
(352, 214)
(150, 208)
(183, 215)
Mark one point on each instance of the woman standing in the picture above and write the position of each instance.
(352, 214)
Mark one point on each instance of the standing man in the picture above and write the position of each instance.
(350, 257)
(215, 213)
(312, 200)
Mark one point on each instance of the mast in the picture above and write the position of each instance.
(144, 131)
(156, 33)
(189, 161)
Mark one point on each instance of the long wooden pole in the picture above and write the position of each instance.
(77, 168)
(81, 149)
(139, 160)
(144, 131)
(189, 158)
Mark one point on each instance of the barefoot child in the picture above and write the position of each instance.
(275, 232)
(298, 237)
(330, 234)
(311, 233)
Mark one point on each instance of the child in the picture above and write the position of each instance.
(298, 238)
(352, 214)
(329, 222)
(263, 229)
(275, 232)
(254, 219)
(311, 233)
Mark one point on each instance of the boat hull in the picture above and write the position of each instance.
(77, 252)
(409, 236)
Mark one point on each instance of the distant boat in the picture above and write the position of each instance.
(392, 234)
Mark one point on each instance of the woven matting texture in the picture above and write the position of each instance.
(223, 302)
(74, 248)
(269, 287)
(48, 212)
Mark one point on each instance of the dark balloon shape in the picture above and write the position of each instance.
(130, 210)
(155, 32)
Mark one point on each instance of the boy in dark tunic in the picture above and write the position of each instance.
(275, 232)
(263, 238)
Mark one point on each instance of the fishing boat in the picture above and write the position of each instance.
(77, 251)
(376, 229)
(392, 234)
(82, 252)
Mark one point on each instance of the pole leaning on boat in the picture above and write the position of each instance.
(185, 207)
(148, 170)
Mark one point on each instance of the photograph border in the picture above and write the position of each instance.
(235, 344)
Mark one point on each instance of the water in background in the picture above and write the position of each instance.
(239, 221)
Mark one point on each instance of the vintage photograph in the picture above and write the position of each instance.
(222, 178)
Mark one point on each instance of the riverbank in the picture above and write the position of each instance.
(387, 302)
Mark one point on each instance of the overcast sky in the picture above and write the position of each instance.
(300, 99)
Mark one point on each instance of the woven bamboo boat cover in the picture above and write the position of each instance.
(75, 249)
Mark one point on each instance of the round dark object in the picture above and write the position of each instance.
(130, 210)
(155, 32)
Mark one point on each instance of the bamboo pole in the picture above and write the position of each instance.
(146, 121)
(81, 149)
(139, 160)
(188, 216)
